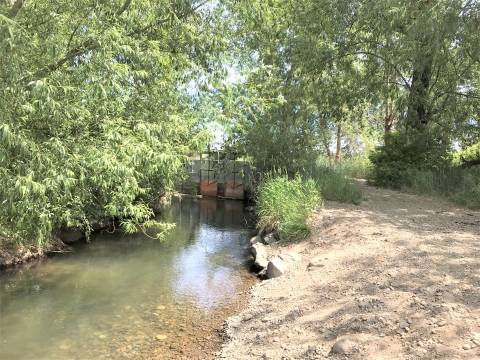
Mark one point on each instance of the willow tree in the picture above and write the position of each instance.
(410, 65)
(96, 110)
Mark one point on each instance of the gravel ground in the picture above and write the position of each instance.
(397, 277)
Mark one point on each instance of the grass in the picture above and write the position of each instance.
(285, 204)
(459, 185)
(335, 180)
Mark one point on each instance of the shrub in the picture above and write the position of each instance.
(285, 204)
(405, 152)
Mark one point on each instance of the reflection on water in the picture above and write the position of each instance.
(127, 296)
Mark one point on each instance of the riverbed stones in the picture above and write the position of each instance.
(344, 346)
(275, 268)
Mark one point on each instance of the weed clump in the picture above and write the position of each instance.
(285, 204)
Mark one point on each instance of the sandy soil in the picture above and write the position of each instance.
(399, 277)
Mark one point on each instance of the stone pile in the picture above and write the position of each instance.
(265, 263)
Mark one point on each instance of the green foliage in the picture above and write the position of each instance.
(285, 204)
(403, 152)
(470, 153)
(97, 110)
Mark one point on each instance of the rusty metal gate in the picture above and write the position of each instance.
(219, 175)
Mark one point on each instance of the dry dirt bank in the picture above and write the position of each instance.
(399, 277)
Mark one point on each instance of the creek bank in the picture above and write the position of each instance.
(11, 255)
(393, 278)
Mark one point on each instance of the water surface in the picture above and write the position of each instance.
(128, 296)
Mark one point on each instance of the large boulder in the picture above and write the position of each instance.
(259, 253)
(275, 268)
(258, 250)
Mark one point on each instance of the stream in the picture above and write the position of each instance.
(129, 296)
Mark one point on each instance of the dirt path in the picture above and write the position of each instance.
(399, 276)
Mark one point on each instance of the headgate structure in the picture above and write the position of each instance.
(219, 174)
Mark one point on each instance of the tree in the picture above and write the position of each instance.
(96, 112)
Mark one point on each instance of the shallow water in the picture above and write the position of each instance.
(128, 296)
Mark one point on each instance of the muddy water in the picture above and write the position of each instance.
(127, 296)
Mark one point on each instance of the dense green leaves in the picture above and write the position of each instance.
(96, 115)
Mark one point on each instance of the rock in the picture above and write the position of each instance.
(476, 342)
(260, 263)
(275, 268)
(247, 317)
(403, 325)
(161, 337)
(161, 307)
(317, 261)
(276, 339)
(64, 347)
(271, 238)
(290, 257)
(312, 348)
(343, 346)
(466, 347)
(255, 239)
(259, 253)
(442, 323)
(258, 250)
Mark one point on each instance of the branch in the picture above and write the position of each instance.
(80, 50)
(407, 85)
(124, 7)
(17, 5)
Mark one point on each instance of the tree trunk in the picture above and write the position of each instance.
(338, 153)
(418, 108)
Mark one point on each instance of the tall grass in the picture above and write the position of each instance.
(459, 185)
(285, 204)
(335, 180)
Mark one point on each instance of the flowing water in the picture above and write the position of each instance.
(128, 296)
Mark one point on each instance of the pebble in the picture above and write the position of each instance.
(403, 325)
(343, 346)
(466, 347)
(161, 307)
(161, 337)
(476, 342)
(247, 317)
(442, 323)
(312, 348)
(276, 339)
